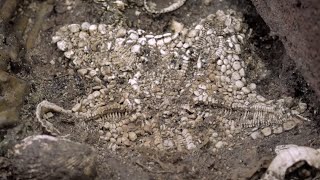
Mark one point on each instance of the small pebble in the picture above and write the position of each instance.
(55, 39)
(176, 26)
(96, 94)
(83, 35)
(236, 65)
(245, 90)
(253, 86)
(93, 28)
(74, 28)
(239, 84)
(167, 40)
(102, 28)
(236, 57)
(185, 45)
(134, 36)
(85, 26)
(223, 68)
(197, 93)
(62, 45)
(261, 98)
(68, 54)
(302, 107)
(235, 76)
(136, 49)
(92, 73)
(202, 86)
(219, 62)
(266, 131)
(289, 125)
(180, 44)
(152, 42)
(137, 101)
(277, 130)
(49, 115)
(237, 48)
(228, 72)
(192, 33)
(256, 135)
(160, 42)
(226, 61)
(219, 144)
(242, 72)
(121, 33)
(82, 71)
(132, 136)
(215, 135)
(142, 41)
(222, 78)
(227, 79)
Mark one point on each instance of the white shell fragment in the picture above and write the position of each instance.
(62, 45)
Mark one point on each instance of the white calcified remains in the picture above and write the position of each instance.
(174, 81)
(170, 8)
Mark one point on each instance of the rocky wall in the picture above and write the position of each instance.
(297, 23)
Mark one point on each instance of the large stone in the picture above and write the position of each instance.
(297, 25)
(47, 157)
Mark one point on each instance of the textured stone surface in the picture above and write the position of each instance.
(47, 157)
(297, 23)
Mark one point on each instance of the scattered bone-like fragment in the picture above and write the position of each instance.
(44, 107)
(174, 6)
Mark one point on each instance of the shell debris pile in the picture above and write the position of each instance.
(175, 89)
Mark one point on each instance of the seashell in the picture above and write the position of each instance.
(291, 159)
(47, 157)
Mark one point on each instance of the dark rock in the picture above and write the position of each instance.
(47, 157)
(297, 23)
